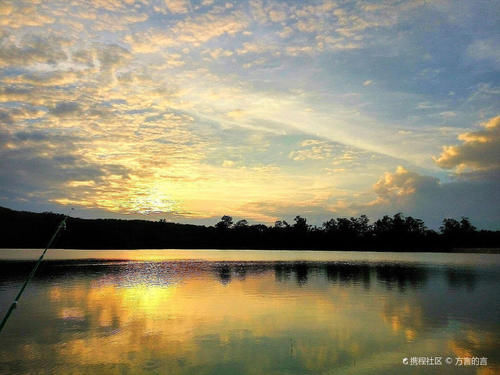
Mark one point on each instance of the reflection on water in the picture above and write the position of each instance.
(249, 316)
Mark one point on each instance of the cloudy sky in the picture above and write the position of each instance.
(188, 110)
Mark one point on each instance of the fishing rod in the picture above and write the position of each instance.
(62, 225)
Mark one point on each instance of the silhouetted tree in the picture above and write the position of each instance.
(281, 224)
(259, 228)
(32, 230)
(466, 226)
(361, 225)
(330, 226)
(399, 231)
(300, 224)
(382, 226)
(450, 227)
(225, 222)
(241, 224)
(459, 233)
(415, 226)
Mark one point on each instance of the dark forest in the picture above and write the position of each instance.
(390, 233)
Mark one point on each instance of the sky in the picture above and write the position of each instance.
(263, 110)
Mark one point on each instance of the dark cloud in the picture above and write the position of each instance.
(112, 56)
(27, 173)
(63, 109)
(83, 56)
(36, 136)
(6, 118)
(63, 141)
(428, 198)
(12, 115)
(31, 49)
(478, 200)
(18, 94)
(52, 78)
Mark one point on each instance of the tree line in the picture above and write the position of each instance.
(395, 233)
(389, 232)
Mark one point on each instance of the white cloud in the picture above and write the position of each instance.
(448, 114)
(312, 149)
(486, 50)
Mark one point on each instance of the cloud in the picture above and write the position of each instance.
(277, 15)
(63, 109)
(218, 52)
(393, 186)
(258, 11)
(313, 150)
(111, 5)
(22, 15)
(429, 105)
(53, 78)
(255, 48)
(6, 8)
(236, 114)
(192, 30)
(33, 169)
(21, 94)
(36, 136)
(11, 115)
(85, 166)
(480, 150)
(112, 56)
(448, 114)
(113, 22)
(178, 6)
(484, 50)
(30, 50)
(428, 198)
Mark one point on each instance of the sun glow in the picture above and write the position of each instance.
(152, 202)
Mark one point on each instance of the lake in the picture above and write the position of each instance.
(250, 312)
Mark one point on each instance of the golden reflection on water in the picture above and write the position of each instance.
(218, 318)
(472, 259)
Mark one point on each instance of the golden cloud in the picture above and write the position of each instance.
(20, 16)
(480, 150)
(192, 30)
(401, 183)
(178, 6)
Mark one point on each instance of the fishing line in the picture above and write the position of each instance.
(62, 225)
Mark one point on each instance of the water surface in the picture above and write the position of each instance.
(249, 312)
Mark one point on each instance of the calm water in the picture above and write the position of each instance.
(249, 312)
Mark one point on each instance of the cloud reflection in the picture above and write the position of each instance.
(184, 316)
